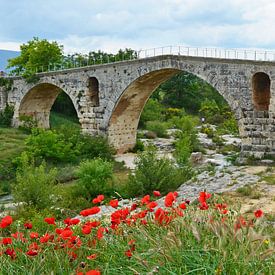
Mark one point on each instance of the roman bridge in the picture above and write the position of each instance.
(109, 98)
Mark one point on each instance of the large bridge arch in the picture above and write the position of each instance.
(123, 122)
(37, 103)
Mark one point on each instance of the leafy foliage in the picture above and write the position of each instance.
(158, 127)
(94, 176)
(6, 116)
(153, 173)
(153, 110)
(35, 54)
(33, 184)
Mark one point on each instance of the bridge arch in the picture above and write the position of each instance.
(38, 101)
(123, 123)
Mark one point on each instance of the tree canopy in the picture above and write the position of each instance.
(36, 54)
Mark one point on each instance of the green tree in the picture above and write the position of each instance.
(35, 55)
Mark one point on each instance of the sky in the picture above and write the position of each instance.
(87, 25)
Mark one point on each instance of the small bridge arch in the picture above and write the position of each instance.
(38, 101)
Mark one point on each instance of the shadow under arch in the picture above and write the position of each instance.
(123, 123)
(38, 102)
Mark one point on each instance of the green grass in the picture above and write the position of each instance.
(199, 242)
(58, 120)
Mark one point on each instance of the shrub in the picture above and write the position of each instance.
(183, 150)
(157, 127)
(94, 177)
(6, 116)
(153, 173)
(139, 146)
(95, 147)
(229, 126)
(33, 184)
(51, 146)
(27, 123)
(153, 110)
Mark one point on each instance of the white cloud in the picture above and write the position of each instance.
(86, 25)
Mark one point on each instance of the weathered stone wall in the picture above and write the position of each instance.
(124, 87)
(3, 98)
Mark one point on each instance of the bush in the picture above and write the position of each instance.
(157, 127)
(94, 177)
(229, 126)
(27, 123)
(95, 147)
(33, 184)
(51, 146)
(153, 173)
(153, 110)
(6, 116)
(139, 146)
(183, 150)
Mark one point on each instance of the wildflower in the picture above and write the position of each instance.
(98, 199)
(6, 241)
(114, 203)
(128, 253)
(90, 211)
(204, 196)
(50, 220)
(169, 199)
(145, 199)
(204, 206)
(156, 193)
(10, 252)
(45, 238)
(28, 225)
(70, 221)
(32, 252)
(5, 222)
(182, 206)
(258, 213)
(100, 232)
(92, 257)
(34, 235)
(151, 205)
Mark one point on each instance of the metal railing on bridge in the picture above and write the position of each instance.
(240, 54)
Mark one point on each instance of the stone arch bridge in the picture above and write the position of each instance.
(109, 98)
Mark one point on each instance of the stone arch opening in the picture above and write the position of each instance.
(125, 117)
(63, 111)
(93, 92)
(37, 103)
(261, 91)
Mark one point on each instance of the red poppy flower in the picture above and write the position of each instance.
(32, 252)
(204, 196)
(45, 238)
(92, 257)
(86, 229)
(156, 193)
(98, 199)
(28, 225)
(114, 203)
(34, 235)
(133, 207)
(128, 253)
(10, 252)
(258, 213)
(182, 206)
(6, 221)
(90, 211)
(169, 199)
(152, 205)
(100, 232)
(145, 199)
(50, 220)
(6, 241)
(204, 206)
